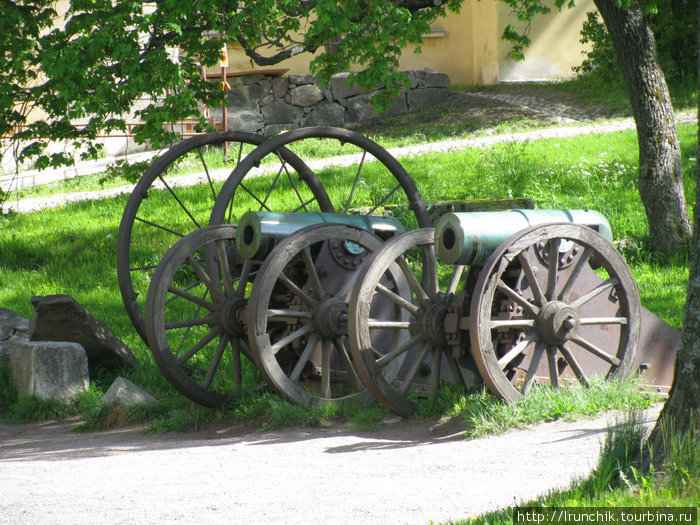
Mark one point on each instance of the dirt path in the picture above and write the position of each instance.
(407, 473)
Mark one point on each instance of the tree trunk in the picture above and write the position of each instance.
(660, 173)
(683, 406)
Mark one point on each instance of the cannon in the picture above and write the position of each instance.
(326, 296)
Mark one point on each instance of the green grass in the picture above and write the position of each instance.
(72, 249)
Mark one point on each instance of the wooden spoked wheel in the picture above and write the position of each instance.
(403, 272)
(175, 196)
(194, 317)
(553, 303)
(298, 314)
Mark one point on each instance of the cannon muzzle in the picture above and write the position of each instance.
(259, 232)
(469, 238)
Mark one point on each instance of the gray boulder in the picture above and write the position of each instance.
(61, 318)
(126, 393)
(13, 329)
(50, 370)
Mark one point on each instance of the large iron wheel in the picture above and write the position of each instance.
(364, 177)
(423, 354)
(298, 313)
(559, 292)
(194, 317)
(161, 210)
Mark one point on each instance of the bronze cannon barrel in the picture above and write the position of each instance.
(469, 238)
(259, 232)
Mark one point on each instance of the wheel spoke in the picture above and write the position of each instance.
(273, 313)
(303, 358)
(326, 368)
(511, 323)
(213, 334)
(456, 277)
(313, 275)
(516, 350)
(182, 205)
(610, 283)
(206, 170)
(575, 274)
(297, 291)
(539, 296)
(191, 322)
(190, 297)
(349, 367)
(395, 325)
(215, 362)
(430, 270)
(396, 352)
(354, 182)
(423, 298)
(569, 356)
(296, 334)
(553, 268)
(236, 366)
(386, 198)
(534, 310)
(296, 190)
(397, 299)
(204, 276)
(553, 368)
(243, 279)
(262, 204)
(534, 365)
(435, 372)
(415, 368)
(604, 320)
(224, 268)
(159, 226)
(587, 345)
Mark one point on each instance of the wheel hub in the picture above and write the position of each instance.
(331, 317)
(557, 322)
(232, 316)
(431, 323)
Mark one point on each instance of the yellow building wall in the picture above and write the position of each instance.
(464, 45)
(555, 46)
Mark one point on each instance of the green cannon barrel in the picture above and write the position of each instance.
(259, 232)
(469, 238)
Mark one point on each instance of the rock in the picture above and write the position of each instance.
(433, 79)
(326, 114)
(306, 95)
(61, 318)
(281, 113)
(300, 80)
(423, 98)
(245, 121)
(50, 370)
(280, 86)
(341, 89)
(13, 328)
(359, 108)
(127, 393)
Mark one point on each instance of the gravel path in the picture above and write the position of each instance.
(407, 473)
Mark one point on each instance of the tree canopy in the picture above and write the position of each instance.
(99, 58)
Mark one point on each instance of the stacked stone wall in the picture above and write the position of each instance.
(271, 104)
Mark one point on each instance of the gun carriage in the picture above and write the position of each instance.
(328, 296)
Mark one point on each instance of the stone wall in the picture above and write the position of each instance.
(270, 104)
